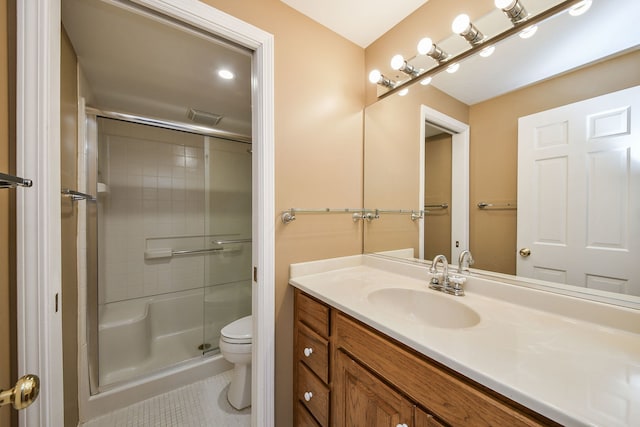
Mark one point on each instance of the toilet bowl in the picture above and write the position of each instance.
(235, 346)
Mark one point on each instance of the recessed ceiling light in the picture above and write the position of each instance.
(226, 74)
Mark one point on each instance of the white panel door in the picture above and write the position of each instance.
(579, 193)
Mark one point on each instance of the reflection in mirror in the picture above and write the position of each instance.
(491, 97)
(437, 191)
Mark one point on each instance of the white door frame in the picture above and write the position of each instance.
(38, 208)
(459, 179)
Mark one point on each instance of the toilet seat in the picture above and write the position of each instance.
(239, 331)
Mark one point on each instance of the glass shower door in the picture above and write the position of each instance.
(227, 293)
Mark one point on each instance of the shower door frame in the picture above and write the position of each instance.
(39, 316)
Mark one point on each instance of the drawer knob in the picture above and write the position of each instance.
(308, 351)
(402, 425)
(308, 395)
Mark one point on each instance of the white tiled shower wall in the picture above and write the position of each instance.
(156, 189)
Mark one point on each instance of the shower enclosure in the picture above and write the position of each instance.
(168, 244)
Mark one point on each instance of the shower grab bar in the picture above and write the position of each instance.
(11, 181)
(229, 242)
(168, 252)
(76, 195)
(195, 251)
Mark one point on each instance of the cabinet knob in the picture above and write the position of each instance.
(308, 351)
(308, 395)
(402, 425)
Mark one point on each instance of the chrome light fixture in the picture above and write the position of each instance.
(514, 10)
(462, 25)
(398, 63)
(376, 77)
(427, 47)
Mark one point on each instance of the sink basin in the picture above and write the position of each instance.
(441, 311)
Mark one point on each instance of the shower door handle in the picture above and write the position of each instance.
(23, 394)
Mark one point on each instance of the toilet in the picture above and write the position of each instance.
(235, 346)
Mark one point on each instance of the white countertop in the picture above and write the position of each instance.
(575, 372)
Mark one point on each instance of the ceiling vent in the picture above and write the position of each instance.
(203, 117)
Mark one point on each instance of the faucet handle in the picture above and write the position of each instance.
(436, 280)
(455, 287)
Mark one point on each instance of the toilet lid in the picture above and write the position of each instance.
(238, 331)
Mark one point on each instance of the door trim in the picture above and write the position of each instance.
(38, 209)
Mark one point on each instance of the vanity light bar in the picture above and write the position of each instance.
(517, 27)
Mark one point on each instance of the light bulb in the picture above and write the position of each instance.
(425, 81)
(397, 62)
(528, 32)
(504, 4)
(453, 68)
(425, 45)
(460, 24)
(404, 91)
(487, 51)
(375, 76)
(580, 8)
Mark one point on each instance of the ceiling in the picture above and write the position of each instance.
(147, 66)
(374, 17)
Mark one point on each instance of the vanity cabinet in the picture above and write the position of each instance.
(311, 356)
(373, 380)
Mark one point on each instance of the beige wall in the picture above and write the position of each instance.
(319, 91)
(494, 149)
(69, 212)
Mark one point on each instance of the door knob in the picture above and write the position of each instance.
(23, 394)
(525, 252)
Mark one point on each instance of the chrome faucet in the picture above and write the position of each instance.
(438, 282)
(445, 283)
(465, 255)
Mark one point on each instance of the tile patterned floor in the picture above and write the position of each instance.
(202, 404)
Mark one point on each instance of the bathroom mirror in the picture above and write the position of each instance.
(490, 94)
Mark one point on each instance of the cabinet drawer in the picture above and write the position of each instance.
(312, 313)
(313, 351)
(313, 394)
(304, 418)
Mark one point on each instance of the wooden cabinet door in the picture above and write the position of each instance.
(362, 400)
